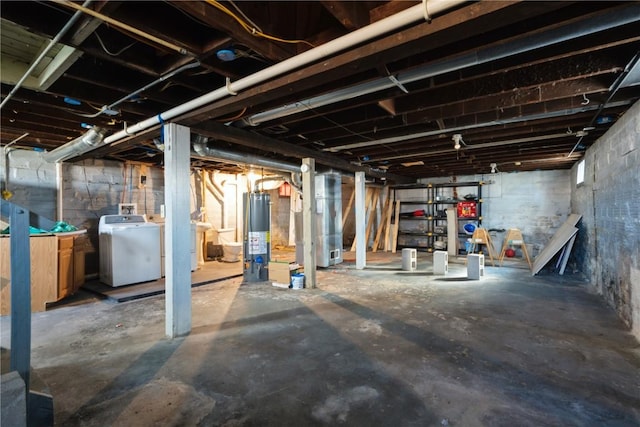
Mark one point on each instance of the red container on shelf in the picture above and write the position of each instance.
(467, 210)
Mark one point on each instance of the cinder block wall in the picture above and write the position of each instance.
(91, 188)
(608, 243)
(95, 187)
(31, 180)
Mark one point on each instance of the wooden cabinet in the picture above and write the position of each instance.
(57, 269)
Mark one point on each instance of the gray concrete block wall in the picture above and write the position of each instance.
(94, 187)
(31, 180)
(608, 244)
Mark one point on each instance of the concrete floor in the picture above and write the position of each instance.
(379, 347)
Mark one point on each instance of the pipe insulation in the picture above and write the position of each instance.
(379, 28)
(201, 150)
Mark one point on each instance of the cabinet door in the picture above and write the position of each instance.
(78, 263)
(65, 266)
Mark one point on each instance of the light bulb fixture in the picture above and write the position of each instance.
(494, 167)
(226, 55)
(457, 140)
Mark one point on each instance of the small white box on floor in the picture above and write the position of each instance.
(440, 262)
(475, 266)
(409, 259)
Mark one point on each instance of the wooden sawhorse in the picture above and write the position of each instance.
(514, 238)
(481, 237)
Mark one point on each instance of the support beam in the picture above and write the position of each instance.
(20, 294)
(361, 243)
(309, 220)
(177, 230)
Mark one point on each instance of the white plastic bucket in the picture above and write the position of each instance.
(297, 281)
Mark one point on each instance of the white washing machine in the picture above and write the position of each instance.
(129, 250)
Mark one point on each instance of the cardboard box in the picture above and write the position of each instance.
(281, 272)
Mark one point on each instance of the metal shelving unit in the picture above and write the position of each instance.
(425, 226)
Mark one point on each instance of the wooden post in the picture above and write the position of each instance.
(373, 210)
(348, 208)
(383, 219)
(366, 207)
(387, 231)
(396, 228)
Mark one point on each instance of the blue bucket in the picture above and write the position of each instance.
(297, 281)
(469, 228)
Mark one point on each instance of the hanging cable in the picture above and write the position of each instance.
(245, 16)
(252, 29)
(234, 118)
(107, 50)
(162, 78)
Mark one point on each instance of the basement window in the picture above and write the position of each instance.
(580, 173)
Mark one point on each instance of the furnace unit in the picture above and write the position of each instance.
(328, 209)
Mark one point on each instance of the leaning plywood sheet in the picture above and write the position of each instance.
(558, 241)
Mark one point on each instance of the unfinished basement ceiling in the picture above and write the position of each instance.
(526, 85)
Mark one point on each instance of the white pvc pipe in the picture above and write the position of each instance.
(59, 192)
(398, 20)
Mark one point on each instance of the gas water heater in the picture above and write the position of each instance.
(257, 236)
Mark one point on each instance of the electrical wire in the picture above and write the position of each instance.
(125, 27)
(130, 184)
(244, 15)
(86, 184)
(107, 50)
(234, 118)
(317, 114)
(124, 184)
(252, 29)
